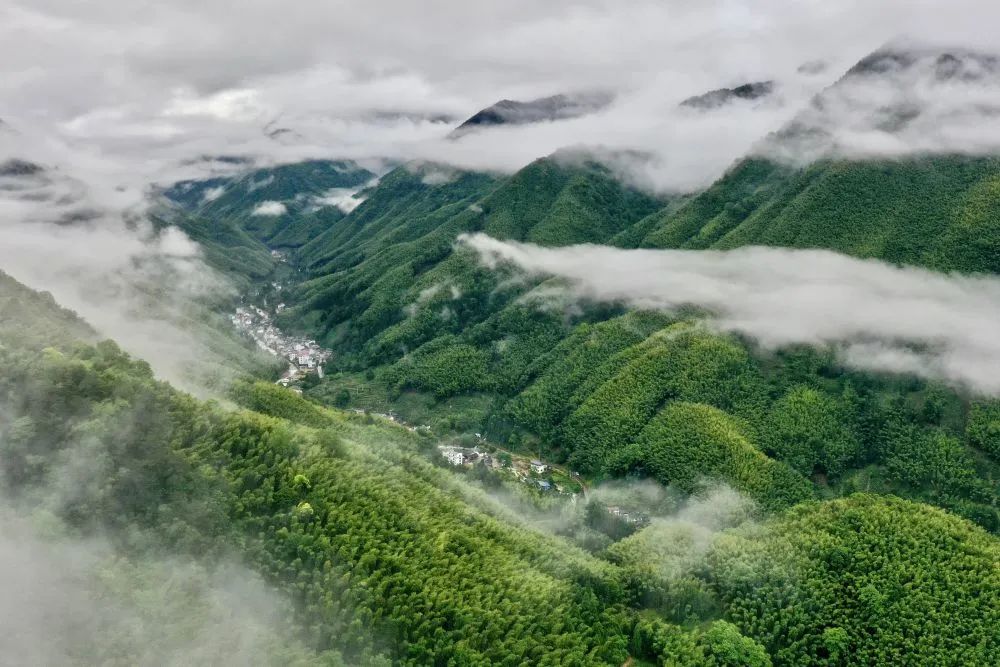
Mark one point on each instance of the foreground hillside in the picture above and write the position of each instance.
(382, 555)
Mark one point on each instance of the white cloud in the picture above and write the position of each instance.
(61, 606)
(365, 80)
(880, 316)
(438, 177)
(91, 246)
(269, 208)
(346, 199)
(211, 194)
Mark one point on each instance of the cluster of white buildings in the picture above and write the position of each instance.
(305, 355)
(460, 456)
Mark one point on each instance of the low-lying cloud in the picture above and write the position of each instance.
(92, 245)
(346, 199)
(269, 209)
(881, 317)
(77, 601)
(906, 99)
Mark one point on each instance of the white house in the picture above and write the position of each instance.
(455, 457)
(539, 467)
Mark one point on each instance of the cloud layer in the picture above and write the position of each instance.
(880, 317)
(91, 245)
(379, 79)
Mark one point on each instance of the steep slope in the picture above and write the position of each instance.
(383, 557)
(397, 247)
(931, 208)
(225, 245)
(938, 212)
(283, 205)
(35, 318)
(297, 493)
(422, 328)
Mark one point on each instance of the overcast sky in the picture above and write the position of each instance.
(145, 85)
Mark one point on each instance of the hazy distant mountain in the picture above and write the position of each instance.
(17, 167)
(939, 65)
(556, 107)
(914, 94)
(723, 96)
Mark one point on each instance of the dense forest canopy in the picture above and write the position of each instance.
(384, 555)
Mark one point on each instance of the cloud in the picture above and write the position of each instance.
(677, 543)
(269, 208)
(360, 81)
(71, 601)
(438, 177)
(109, 109)
(346, 199)
(92, 246)
(90, 590)
(879, 316)
(211, 194)
(908, 98)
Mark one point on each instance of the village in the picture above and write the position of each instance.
(545, 477)
(542, 476)
(304, 356)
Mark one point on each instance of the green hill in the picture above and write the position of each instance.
(298, 192)
(421, 328)
(384, 557)
(938, 212)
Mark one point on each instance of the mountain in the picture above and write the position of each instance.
(17, 167)
(715, 99)
(899, 96)
(354, 547)
(297, 186)
(929, 210)
(939, 64)
(937, 212)
(240, 219)
(699, 500)
(544, 109)
(422, 328)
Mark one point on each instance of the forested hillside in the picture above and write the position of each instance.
(690, 358)
(383, 555)
(938, 212)
(421, 328)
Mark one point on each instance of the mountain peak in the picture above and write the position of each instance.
(938, 63)
(554, 107)
(714, 99)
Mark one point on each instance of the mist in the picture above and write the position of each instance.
(337, 80)
(675, 544)
(878, 316)
(78, 601)
(87, 239)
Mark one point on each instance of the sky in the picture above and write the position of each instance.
(148, 86)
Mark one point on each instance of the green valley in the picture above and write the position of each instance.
(631, 374)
